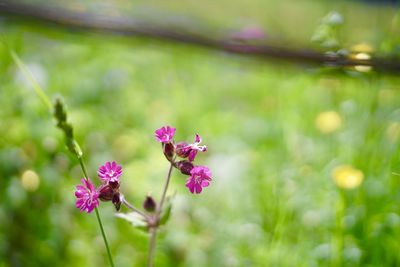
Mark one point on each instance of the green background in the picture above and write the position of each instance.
(272, 201)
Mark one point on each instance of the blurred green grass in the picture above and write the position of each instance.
(272, 202)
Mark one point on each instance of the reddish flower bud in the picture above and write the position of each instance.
(116, 200)
(149, 204)
(181, 149)
(185, 166)
(106, 193)
(114, 185)
(169, 150)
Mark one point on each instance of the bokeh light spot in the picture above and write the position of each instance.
(30, 180)
(347, 177)
(328, 122)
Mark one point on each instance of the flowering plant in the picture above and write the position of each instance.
(181, 156)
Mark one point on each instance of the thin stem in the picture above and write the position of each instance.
(83, 167)
(130, 206)
(153, 230)
(104, 238)
(152, 246)
(159, 208)
(28, 74)
(85, 174)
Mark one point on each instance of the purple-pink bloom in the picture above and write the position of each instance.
(192, 149)
(250, 33)
(200, 176)
(87, 196)
(165, 134)
(110, 172)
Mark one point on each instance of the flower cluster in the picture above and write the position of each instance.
(88, 196)
(199, 176)
(109, 174)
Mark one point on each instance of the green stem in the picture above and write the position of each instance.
(28, 74)
(165, 190)
(85, 174)
(104, 237)
(83, 167)
(152, 246)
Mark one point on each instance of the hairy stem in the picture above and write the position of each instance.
(154, 228)
(131, 207)
(85, 174)
(152, 246)
(159, 208)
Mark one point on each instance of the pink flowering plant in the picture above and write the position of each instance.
(181, 156)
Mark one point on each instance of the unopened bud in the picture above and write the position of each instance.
(149, 204)
(169, 150)
(181, 150)
(185, 166)
(116, 200)
(114, 184)
(106, 193)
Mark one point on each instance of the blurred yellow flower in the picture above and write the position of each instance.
(30, 180)
(362, 68)
(328, 122)
(362, 51)
(347, 177)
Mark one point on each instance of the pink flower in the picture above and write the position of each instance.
(200, 176)
(110, 172)
(192, 149)
(250, 33)
(87, 196)
(165, 134)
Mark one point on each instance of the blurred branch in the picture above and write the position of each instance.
(128, 26)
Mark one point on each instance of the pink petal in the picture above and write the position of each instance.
(205, 183)
(108, 166)
(192, 155)
(198, 139)
(198, 188)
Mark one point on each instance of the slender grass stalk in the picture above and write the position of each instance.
(28, 74)
(42, 95)
(153, 229)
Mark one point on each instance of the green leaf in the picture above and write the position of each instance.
(166, 212)
(136, 219)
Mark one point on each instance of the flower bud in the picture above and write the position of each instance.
(116, 200)
(185, 166)
(169, 150)
(149, 204)
(181, 150)
(114, 184)
(106, 193)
